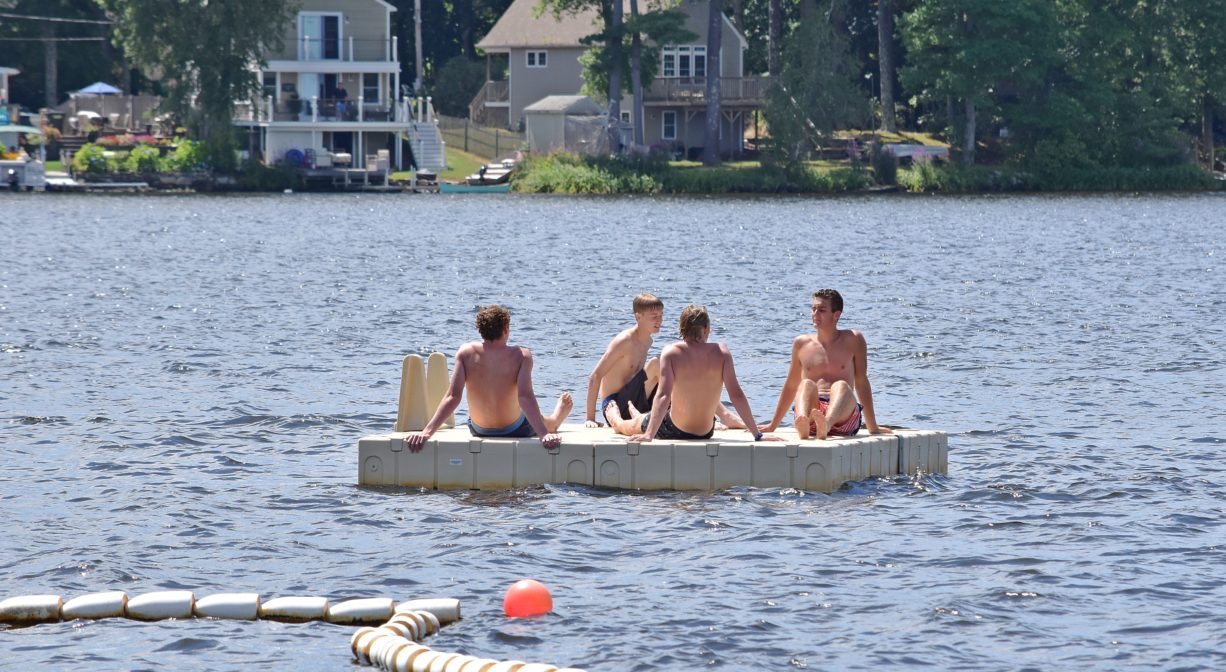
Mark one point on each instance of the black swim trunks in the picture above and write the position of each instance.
(670, 432)
(631, 392)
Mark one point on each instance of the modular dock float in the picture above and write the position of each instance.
(454, 459)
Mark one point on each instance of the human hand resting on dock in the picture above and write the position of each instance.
(415, 441)
(551, 440)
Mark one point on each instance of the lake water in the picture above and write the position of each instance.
(183, 381)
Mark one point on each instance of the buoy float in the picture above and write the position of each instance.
(367, 610)
(31, 609)
(162, 605)
(295, 609)
(96, 605)
(234, 606)
(393, 646)
(446, 610)
(527, 597)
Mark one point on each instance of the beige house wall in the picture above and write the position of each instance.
(561, 76)
(691, 133)
(364, 20)
(730, 43)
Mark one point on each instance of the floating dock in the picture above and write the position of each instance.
(454, 459)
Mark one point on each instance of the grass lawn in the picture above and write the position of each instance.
(460, 164)
(54, 165)
(906, 137)
(822, 164)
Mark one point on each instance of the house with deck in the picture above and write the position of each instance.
(542, 59)
(331, 96)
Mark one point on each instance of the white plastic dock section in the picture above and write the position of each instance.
(454, 459)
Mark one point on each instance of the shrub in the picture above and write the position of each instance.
(568, 173)
(188, 156)
(92, 159)
(142, 159)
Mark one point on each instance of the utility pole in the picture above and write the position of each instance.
(417, 45)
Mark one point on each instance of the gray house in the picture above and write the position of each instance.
(542, 59)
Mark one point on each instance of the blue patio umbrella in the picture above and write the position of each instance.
(100, 88)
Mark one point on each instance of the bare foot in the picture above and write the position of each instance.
(635, 413)
(819, 419)
(802, 427)
(565, 403)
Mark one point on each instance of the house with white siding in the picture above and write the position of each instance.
(331, 95)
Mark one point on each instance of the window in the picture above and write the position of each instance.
(319, 37)
(370, 87)
(626, 116)
(270, 84)
(684, 61)
(669, 132)
(537, 59)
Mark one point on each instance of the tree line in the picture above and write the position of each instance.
(1046, 84)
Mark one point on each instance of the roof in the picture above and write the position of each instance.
(519, 26)
(578, 105)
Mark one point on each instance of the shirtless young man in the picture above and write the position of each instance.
(498, 378)
(825, 367)
(621, 379)
(692, 375)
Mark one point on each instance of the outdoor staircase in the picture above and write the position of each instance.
(427, 144)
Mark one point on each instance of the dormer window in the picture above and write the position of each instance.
(537, 59)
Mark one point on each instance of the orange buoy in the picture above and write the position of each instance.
(527, 598)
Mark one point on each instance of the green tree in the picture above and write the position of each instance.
(56, 56)
(715, 31)
(457, 82)
(1202, 36)
(205, 52)
(662, 24)
(816, 92)
(969, 49)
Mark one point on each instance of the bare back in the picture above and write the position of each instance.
(829, 362)
(491, 382)
(698, 381)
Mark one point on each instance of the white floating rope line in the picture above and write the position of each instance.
(394, 647)
(156, 606)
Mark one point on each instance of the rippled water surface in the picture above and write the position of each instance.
(183, 380)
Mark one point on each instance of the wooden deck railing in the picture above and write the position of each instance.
(694, 89)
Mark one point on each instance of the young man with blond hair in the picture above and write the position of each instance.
(498, 378)
(623, 378)
(693, 373)
(829, 370)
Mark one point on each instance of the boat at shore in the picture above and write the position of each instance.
(466, 188)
